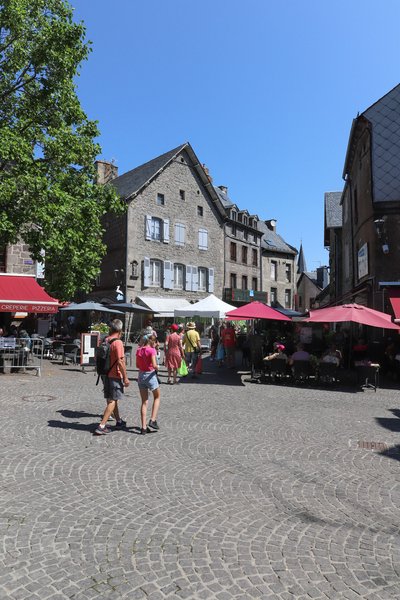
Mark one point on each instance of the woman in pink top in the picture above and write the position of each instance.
(146, 362)
(173, 353)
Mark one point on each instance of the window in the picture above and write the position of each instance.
(233, 229)
(245, 235)
(202, 279)
(251, 222)
(254, 284)
(203, 239)
(233, 251)
(160, 199)
(274, 271)
(244, 220)
(288, 299)
(254, 260)
(178, 277)
(240, 217)
(244, 282)
(155, 272)
(274, 295)
(134, 269)
(200, 211)
(244, 255)
(233, 280)
(233, 215)
(288, 272)
(179, 234)
(182, 194)
(157, 229)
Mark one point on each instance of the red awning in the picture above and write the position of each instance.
(22, 293)
(394, 297)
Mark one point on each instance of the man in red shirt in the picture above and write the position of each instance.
(115, 380)
(228, 337)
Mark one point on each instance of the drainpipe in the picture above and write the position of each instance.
(347, 179)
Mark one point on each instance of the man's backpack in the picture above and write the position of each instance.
(103, 358)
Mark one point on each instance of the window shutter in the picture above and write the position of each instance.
(146, 270)
(211, 280)
(168, 274)
(166, 231)
(148, 227)
(188, 286)
(195, 279)
(182, 235)
(205, 239)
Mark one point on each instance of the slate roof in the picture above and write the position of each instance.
(131, 182)
(301, 261)
(273, 241)
(333, 210)
(225, 200)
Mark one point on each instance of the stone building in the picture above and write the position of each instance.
(278, 267)
(370, 272)
(169, 243)
(242, 253)
(333, 242)
(16, 258)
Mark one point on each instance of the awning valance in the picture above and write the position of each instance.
(22, 293)
(394, 297)
(163, 306)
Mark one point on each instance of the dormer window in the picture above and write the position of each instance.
(244, 220)
(251, 220)
(233, 215)
(240, 217)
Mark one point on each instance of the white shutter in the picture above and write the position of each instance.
(182, 235)
(188, 286)
(166, 231)
(195, 279)
(200, 238)
(205, 239)
(179, 234)
(147, 231)
(168, 274)
(146, 270)
(210, 280)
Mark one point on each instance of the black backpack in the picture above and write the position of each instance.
(103, 358)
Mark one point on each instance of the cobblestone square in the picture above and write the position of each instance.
(247, 491)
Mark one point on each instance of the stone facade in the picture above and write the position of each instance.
(16, 258)
(371, 206)
(279, 278)
(170, 241)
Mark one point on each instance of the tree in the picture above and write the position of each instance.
(49, 197)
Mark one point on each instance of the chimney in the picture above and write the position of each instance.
(322, 277)
(271, 224)
(223, 189)
(106, 171)
(207, 172)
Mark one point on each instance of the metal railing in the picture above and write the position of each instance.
(21, 355)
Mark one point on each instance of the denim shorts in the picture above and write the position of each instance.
(147, 380)
(113, 388)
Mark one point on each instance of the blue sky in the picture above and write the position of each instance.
(265, 91)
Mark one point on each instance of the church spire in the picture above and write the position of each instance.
(301, 261)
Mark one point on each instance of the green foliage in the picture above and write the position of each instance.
(48, 191)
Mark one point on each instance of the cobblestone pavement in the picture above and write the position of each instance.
(247, 491)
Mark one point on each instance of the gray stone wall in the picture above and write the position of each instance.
(281, 284)
(234, 234)
(18, 259)
(178, 177)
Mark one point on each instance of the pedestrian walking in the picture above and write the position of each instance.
(146, 362)
(192, 346)
(115, 380)
(173, 353)
(228, 337)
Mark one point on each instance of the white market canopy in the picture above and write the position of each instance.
(164, 307)
(208, 307)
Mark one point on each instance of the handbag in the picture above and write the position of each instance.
(199, 366)
(182, 370)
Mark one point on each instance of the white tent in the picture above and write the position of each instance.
(208, 307)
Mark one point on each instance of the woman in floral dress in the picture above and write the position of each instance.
(173, 353)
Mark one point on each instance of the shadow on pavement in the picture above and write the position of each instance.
(69, 425)
(393, 424)
(76, 414)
